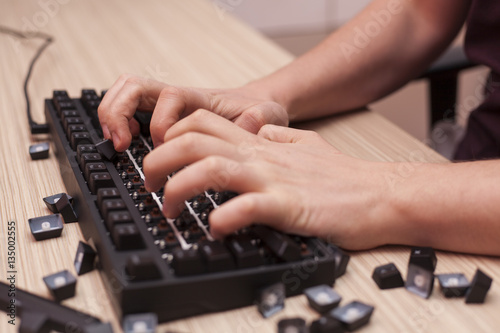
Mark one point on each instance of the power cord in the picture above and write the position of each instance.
(34, 127)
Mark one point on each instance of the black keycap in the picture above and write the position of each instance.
(453, 285)
(61, 285)
(245, 253)
(84, 149)
(341, 260)
(39, 151)
(142, 267)
(353, 315)
(50, 201)
(419, 281)
(89, 158)
(64, 206)
(423, 257)
(280, 244)
(109, 205)
(216, 256)
(479, 287)
(45, 227)
(79, 138)
(271, 299)
(326, 324)
(140, 323)
(296, 325)
(106, 149)
(84, 259)
(322, 298)
(71, 121)
(127, 237)
(187, 262)
(387, 276)
(105, 194)
(92, 168)
(69, 113)
(117, 217)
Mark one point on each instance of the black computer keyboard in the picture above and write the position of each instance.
(171, 267)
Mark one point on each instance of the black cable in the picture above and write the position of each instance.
(34, 127)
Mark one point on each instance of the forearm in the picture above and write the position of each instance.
(390, 42)
(450, 207)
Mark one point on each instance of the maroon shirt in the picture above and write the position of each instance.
(482, 46)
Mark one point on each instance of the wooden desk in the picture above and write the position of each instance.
(189, 43)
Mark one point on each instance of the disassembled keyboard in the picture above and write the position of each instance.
(171, 267)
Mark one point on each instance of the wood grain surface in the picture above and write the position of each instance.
(196, 43)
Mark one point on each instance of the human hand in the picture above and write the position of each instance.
(289, 179)
(244, 106)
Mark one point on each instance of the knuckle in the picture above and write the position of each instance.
(169, 92)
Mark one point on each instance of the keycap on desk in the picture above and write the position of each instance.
(419, 281)
(353, 315)
(51, 200)
(39, 151)
(271, 299)
(326, 324)
(216, 256)
(64, 206)
(453, 285)
(280, 244)
(61, 285)
(479, 287)
(106, 149)
(387, 276)
(84, 259)
(127, 237)
(141, 268)
(322, 298)
(45, 227)
(424, 257)
(295, 325)
(187, 262)
(140, 323)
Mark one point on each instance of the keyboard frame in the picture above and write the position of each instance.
(170, 297)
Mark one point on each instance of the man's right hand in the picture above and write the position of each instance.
(169, 104)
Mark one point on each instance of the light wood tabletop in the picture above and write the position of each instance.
(194, 43)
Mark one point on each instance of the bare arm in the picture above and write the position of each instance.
(387, 44)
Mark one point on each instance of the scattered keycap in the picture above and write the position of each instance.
(423, 257)
(106, 149)
(353, 315)
(45, 227)
(271, 299)
(39, 151)
(51, 200)
(84, 259)
(65, 208)
(140, 323)
(453, 285)
(387, 276)
(419, 281)
(292, 325)
(322, 298)
(326, 324)
(62, 285)
(479, 287)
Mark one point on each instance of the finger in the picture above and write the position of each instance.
(215, 172)
(206, 122)
(290, 135)
(134, 126)
(173, 104)
(182, 151)
(135, 93)
(244, 210)
(256, 117)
